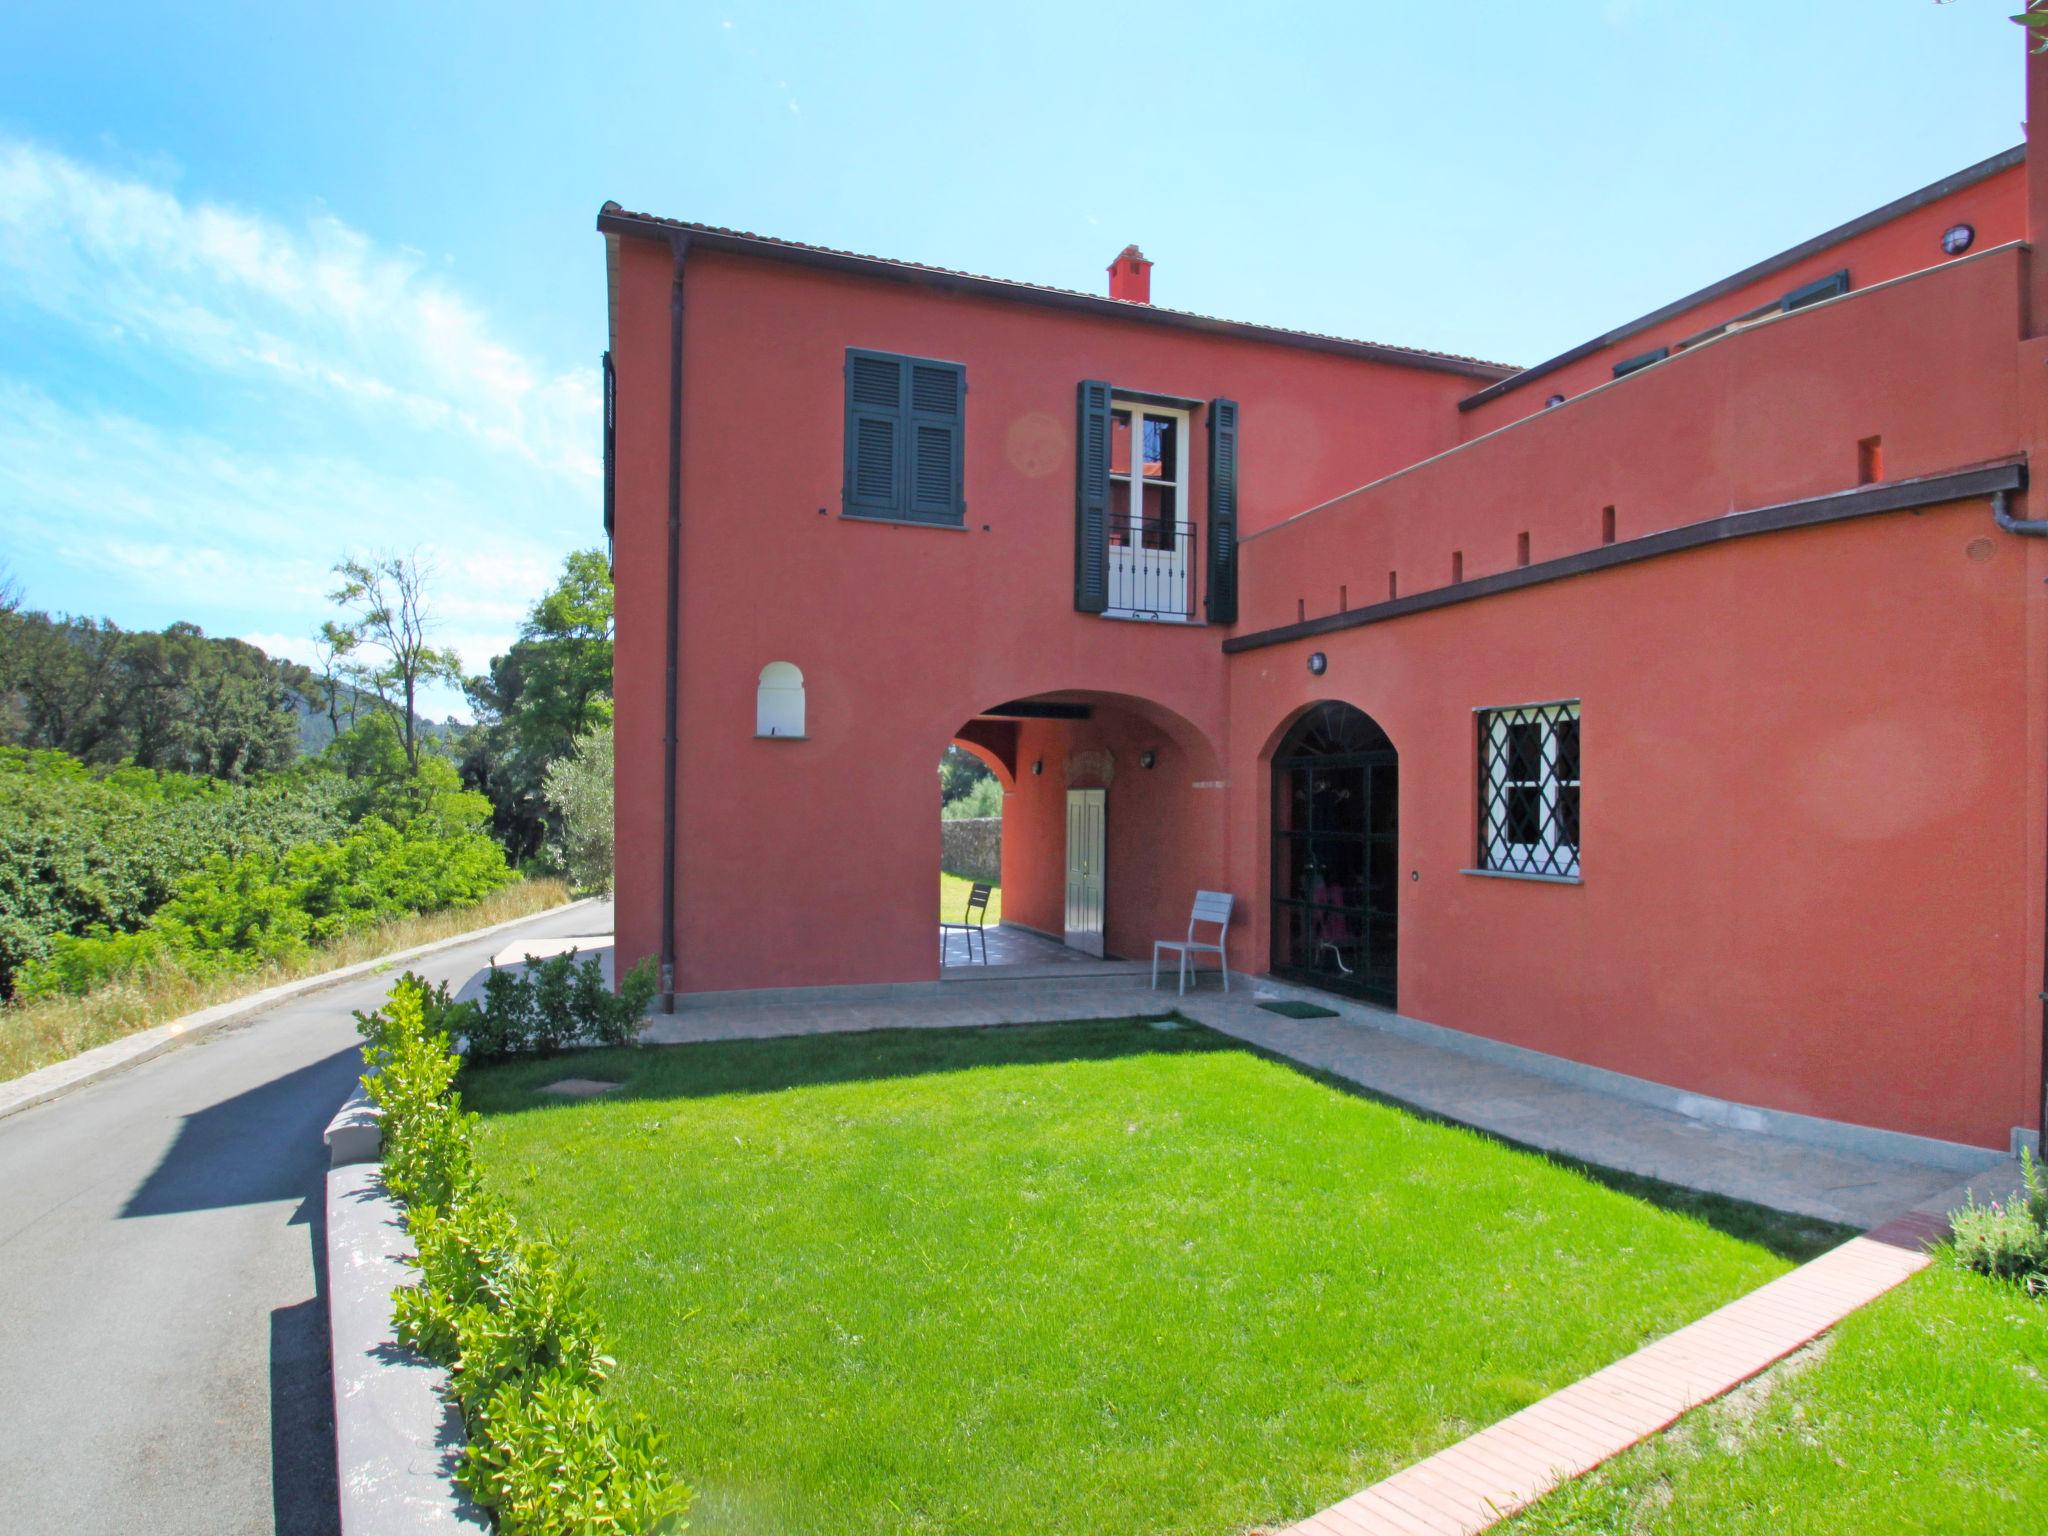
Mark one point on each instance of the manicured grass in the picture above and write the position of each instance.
(953, 891)
(1074, 1278)
(1926, 1411)
(55, 1029)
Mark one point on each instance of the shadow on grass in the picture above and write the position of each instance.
(733, 1067)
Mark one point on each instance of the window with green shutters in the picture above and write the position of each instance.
(906, 423)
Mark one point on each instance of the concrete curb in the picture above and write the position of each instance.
(397, 1435)
(60, 1078)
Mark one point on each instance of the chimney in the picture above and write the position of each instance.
(1130, 276)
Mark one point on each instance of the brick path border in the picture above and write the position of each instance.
(1486, 1477)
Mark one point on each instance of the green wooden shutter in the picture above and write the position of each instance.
(1222, 573)
(1091, 499)
(933, 433)
(875, 390)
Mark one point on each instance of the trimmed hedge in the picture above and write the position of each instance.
(506, 1313)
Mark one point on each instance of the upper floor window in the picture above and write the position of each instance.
(1529, 789)
(1149, 528)
(905, 438)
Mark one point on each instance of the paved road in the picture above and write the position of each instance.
(163, 1331)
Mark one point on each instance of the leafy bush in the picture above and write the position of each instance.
(85, 851)
(265, 904)
(557, 1461)
(983, 798)
(2007, 1239)
(505, 1312)
(579, 787)
(556, 1003)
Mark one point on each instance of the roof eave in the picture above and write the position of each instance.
(613, 220)
(1969, 176)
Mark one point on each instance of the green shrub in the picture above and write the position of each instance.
(552, 1004)
(2007, 1239)
(504, 1312)
(263, 905)
(559, 1463)
(429, 1141)
(95, 852)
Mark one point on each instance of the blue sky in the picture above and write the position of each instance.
(279, 283)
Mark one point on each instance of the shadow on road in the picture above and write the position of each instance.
(303, 1493)
(256, 1147)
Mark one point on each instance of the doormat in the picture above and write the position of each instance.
(1293, 1010)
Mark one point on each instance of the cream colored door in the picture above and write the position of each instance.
(1087, 815)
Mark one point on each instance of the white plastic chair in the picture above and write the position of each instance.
(1210, 907)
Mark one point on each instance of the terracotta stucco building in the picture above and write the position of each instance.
(1678, 706)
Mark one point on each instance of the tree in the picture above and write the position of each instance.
(579, 787)
(172, 699)
(385, 598)
(959, 772)
(333, 645)
(534, 702)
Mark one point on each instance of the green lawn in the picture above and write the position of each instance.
(1081, 1278)
(1925, 1412)
(953, 891)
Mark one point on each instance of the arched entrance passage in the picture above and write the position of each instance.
(1113, 817)
(1336, 817)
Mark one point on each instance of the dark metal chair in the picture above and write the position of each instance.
(972, 921)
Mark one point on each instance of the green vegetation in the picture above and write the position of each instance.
(534, 705)
(549, 1005)
(1110, 1276)
(239, 899)
(34, 1034)
(174, 700)
(546, 1453)
(85, 849)
(579, 787)
(953, 893)
(984, 799)
(2008, 1239)
(1926, 1411)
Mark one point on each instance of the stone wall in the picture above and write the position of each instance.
(972, 846)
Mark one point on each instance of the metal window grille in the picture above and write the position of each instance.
(1529, 789)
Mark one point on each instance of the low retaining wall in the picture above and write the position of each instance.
(397, 1435)
(972, 846)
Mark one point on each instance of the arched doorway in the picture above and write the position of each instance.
(1336, 819)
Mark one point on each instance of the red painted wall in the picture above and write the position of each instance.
(1815, 791)
(1995, 206)
(1166, 836)
(1807, 876)
(812, 861)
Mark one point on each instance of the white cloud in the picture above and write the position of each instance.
(239, 400)
(317, 308)
(242, 540)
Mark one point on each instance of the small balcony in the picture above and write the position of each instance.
(1151, 569)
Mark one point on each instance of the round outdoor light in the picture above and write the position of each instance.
(1037, 767)
(1554, 400)
(1318, 664)
(1957, 237)
(1147, 759)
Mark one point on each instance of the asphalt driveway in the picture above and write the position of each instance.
(163, 1327)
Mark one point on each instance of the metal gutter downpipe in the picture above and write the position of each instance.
(679, 244)
(2001, 513)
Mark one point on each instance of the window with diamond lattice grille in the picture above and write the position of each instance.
(1529, 789)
